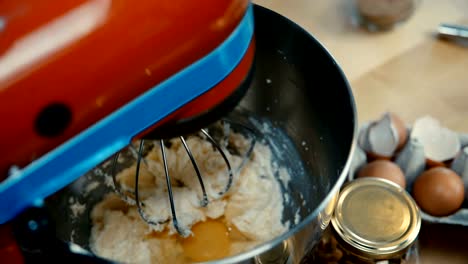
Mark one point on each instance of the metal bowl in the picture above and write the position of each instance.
(302, 91)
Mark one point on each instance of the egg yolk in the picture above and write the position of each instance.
(210, 241)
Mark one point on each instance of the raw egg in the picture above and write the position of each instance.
(384, 169)
(210, 241)
(439, 191)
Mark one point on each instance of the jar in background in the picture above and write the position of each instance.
(378, 15)
(375, 221)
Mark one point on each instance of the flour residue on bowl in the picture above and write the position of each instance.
(77, 209)
(249, 214)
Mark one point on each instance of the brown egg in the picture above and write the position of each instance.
(439, 191)
(383, 169)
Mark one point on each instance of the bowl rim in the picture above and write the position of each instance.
(268, 245)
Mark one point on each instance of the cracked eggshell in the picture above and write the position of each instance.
(440, 143)
(412, 161)
(382, 138)
(363, 135)
(460, 166)
(363, 142)
(401, 129)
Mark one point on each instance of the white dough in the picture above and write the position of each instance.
(254, 203)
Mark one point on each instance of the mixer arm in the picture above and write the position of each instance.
(61, 166)
(30, 185)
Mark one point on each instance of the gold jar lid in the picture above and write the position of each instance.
(376, 217)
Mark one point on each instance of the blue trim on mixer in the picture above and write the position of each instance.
(74, 158)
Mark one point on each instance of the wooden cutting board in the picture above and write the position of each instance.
(429, 79)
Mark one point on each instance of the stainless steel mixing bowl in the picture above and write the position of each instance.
(302, 91)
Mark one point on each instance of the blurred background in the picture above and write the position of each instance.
(406, 69)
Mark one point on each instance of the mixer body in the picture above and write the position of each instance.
(95, 74)
(64, 65)
(80, 79)
(297, 85)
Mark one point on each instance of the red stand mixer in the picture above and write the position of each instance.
(79, 80)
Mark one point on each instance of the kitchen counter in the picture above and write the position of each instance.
(407, 70)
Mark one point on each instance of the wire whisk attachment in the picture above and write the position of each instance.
(219, 136)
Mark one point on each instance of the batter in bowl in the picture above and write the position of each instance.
(248, 214)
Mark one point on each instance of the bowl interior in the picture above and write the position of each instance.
(298, 90)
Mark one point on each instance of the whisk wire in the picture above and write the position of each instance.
(182, 232)
(221, 147)
(220, 150)
(204, 201)
(253, 141)
(140, 205)
(117, 186)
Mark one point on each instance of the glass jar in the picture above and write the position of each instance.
(375, 221)
(377, 15)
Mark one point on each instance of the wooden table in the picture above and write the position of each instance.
(407, 70)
